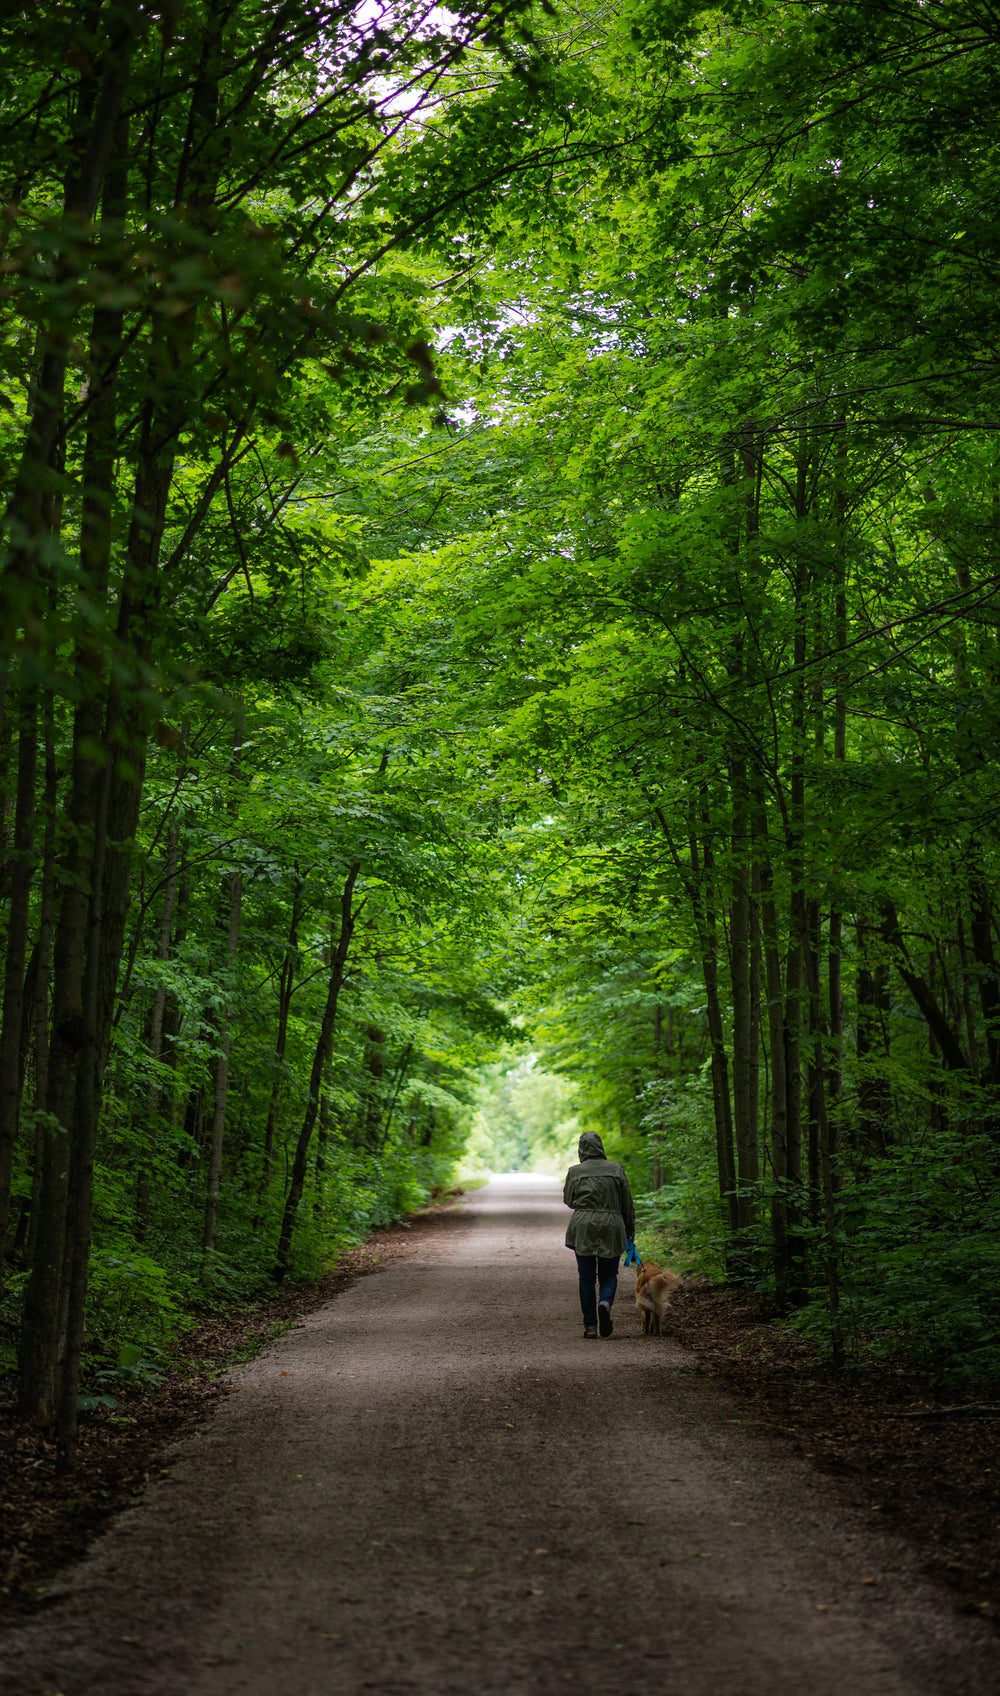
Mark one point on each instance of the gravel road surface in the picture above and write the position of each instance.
(435, 1487)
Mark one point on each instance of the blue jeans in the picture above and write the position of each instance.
(598, 1282)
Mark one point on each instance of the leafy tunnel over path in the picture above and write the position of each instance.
(499, 556)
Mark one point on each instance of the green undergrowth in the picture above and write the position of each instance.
(914, 1246)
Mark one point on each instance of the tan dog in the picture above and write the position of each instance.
(654, 1288)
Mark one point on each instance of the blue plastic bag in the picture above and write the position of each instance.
(631, 1253)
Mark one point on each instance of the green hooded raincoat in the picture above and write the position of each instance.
(597, 1191)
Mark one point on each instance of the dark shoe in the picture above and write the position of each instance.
(587, 1335)
(604, 1319)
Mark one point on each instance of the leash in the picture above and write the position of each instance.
(632, 1254)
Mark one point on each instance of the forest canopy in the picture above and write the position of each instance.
(499, 557)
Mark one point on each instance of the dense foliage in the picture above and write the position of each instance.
(501, 526)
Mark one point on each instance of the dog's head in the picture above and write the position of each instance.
(645, 1272)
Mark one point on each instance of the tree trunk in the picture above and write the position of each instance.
(22, 875)
(7, 785)
(771, 942)
(370, 1105)
(816, 1067)
(831, 1139)
(745, 1015)
(981, 936)
(798, 925)
(83, 1139)
(705, 918)
(286, 989)
(235, 896)
(83, 855)
(872, 1039)
(338, 961)
(922, 991)
(834, 1059)
(103, 806)
(696, 878)
(402, 1072)
(99, 99)
(43, 969)
(322, 1138)
(148, 1133)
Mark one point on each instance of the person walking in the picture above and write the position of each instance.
(603, 1220)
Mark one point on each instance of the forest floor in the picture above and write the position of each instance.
(897, 1448)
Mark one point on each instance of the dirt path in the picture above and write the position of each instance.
(434, 1487)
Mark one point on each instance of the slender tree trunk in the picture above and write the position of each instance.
(798, 919)
(826, 1134)
(108, 802)
(172, 1013)
(348, 919)
(771, 943)
(831, 1142)
(126, 740)
(967, 974)
(104, 799)
(322, 1138)
(872, 1045)
(402, 1071)
(816, 1067)
(83, 1140)
(835, 1056)
(744, 918)
(370, 1105)
(8, 787)
(44, 967)
(17, 951)
(286, 989)
(921, 988)
(696, 878)
(796, 968)
(981, 936)
(703, 867)
(756, 961)
(41, 1339)
(117, 820)
(235, 895)
(99, 99)
(980, 906)
(148, 1132)
(745, 1024)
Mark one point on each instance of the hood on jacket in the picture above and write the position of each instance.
(591, 1147)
